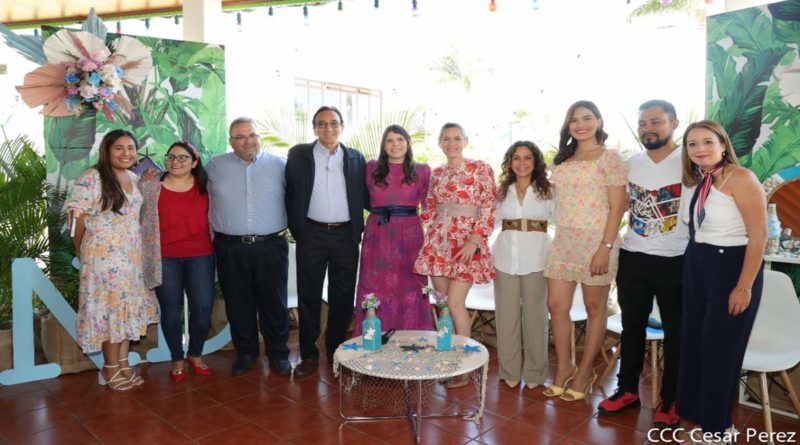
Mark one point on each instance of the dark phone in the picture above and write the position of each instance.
(385, 337)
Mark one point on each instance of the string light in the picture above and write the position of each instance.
(177, 20)
(119, 27)
(414, 9)
(36, 32)
(270, 11)
(377, 4)
(305, 15)
(492, 6)
(147, 24)
(238, 21)
(665, 2)
(340, 6)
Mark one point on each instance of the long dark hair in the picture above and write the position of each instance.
(382, 169)
(199, 173)
(111, 194)
(566, 144)
(539, 181)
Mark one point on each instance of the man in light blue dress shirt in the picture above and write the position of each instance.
(326, 194)
(249, 221)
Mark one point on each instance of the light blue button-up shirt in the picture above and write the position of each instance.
(329, 196)
(247, 199)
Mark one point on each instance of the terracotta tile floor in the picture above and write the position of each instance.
(264, 408)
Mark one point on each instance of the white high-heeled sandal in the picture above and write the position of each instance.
(135, 379)
(117, 382)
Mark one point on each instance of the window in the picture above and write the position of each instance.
(357, 104)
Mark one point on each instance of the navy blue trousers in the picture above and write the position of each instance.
(712, 341)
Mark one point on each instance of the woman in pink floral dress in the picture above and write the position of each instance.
(591, 183)
(115, 306)
(459, 213)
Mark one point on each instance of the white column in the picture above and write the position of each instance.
(199, 18)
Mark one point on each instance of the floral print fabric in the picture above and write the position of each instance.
(469, 183)
(114, 303)
(581, 212)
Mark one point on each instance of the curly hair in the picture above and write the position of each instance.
(541, 185)
(566, 144)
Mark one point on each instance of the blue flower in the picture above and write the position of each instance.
(119, 71)
(94, 79)
(71, 78)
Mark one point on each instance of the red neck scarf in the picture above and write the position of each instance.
(704, 188)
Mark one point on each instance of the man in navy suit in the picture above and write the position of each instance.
(326, 194)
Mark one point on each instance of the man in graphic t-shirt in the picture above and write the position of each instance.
(651, 260)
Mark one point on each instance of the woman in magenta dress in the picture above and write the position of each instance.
(393, 237)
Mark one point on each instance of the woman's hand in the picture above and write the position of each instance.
(599, 263)
(468, 249)
(149, 174)
(738, 301)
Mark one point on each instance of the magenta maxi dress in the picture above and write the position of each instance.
(388, 253)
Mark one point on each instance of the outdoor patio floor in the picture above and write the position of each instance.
(264, 408)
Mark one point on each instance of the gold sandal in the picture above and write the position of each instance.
(571, 395)
(555, 391)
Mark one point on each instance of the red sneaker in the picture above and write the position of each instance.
(665, 416)
(618, 402)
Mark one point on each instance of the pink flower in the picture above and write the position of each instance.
(88, 65)
(72, 91)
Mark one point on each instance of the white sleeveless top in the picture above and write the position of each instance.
(723, 224)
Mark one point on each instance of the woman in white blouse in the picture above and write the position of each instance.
(525, 204)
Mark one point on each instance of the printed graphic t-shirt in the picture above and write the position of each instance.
(655, 192)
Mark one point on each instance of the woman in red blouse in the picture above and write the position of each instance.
(178, 203)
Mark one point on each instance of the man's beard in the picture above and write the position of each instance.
(657, 143)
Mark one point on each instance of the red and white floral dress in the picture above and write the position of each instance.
(458, 186)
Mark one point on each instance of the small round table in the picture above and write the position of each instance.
(397, 381)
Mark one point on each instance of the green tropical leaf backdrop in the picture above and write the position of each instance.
(750, 54)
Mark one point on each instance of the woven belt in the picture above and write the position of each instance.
(329, 226)
(525, 225)
(248, 239)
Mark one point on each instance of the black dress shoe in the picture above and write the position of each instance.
(243, 364)
(281, 366)
(305, 368)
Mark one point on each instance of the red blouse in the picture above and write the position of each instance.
(183, 221)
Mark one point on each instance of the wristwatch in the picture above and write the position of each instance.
(607, 244)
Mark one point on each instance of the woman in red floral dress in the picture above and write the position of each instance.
(459, 212)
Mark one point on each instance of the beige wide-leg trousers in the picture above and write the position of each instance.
(521, 319)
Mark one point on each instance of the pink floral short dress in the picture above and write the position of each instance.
(581, 212)
(469, 185)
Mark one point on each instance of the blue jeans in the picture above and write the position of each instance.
(195, 276)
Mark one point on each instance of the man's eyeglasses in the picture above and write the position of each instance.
(178, 158)
(241, 138)
(332, 124)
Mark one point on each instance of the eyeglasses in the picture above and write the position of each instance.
(333, 124)
(241, 138)
(178, 158)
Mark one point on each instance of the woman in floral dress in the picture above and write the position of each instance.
(393, 236)
(115, 306)
(591, 183)
(459, 212)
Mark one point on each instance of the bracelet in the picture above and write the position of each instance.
(745, 290)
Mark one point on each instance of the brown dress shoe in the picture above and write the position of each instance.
(305, 368)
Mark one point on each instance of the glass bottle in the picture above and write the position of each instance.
(371, 331)
(444, 336)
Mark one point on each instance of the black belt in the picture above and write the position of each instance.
(248, 239)
(387, 212)
(329, 226)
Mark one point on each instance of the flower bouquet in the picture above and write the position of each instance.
(85, 74)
